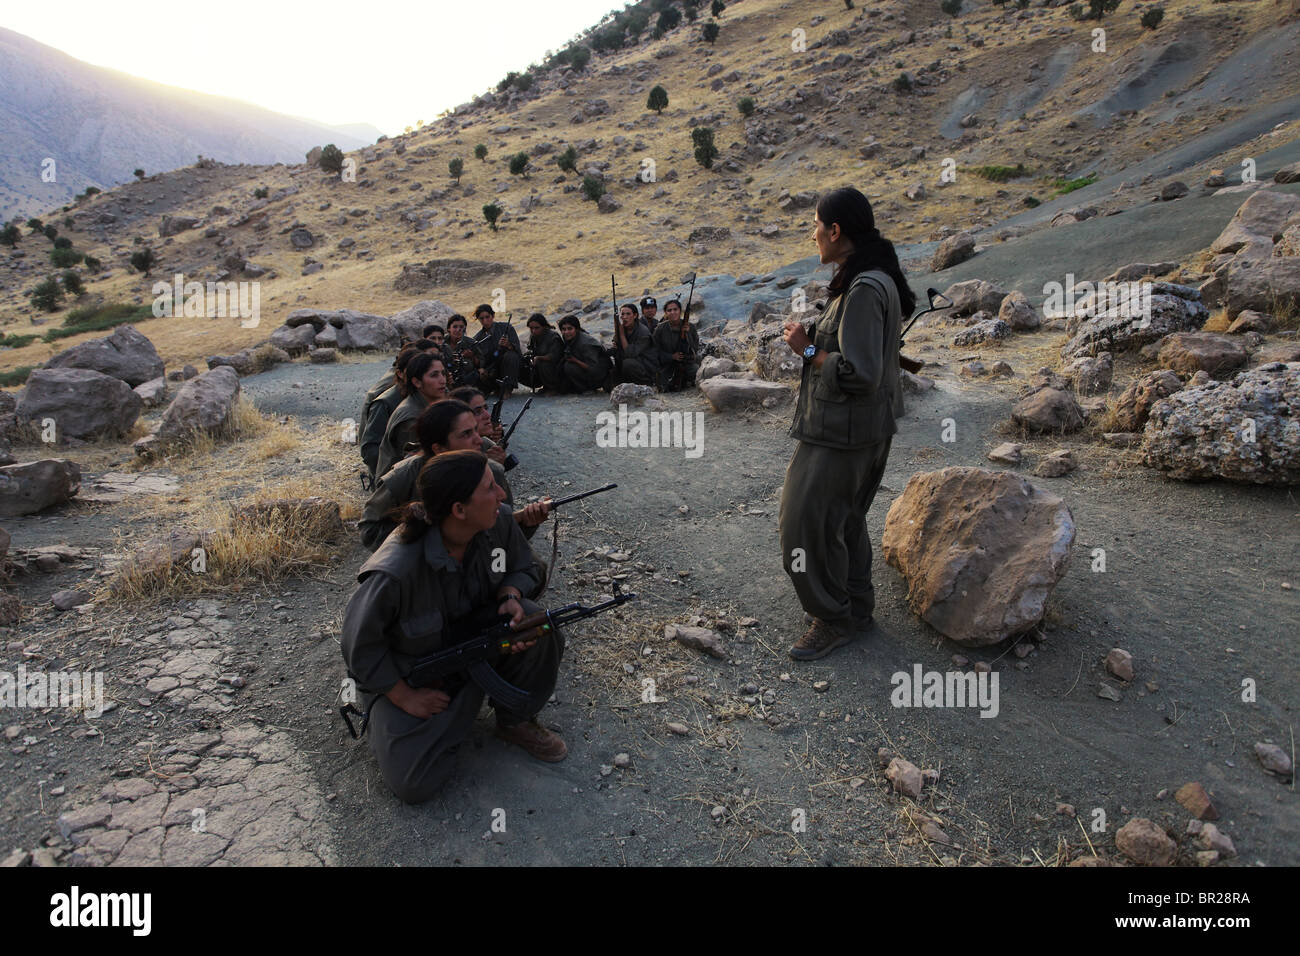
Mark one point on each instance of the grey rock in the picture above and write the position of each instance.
(126, 355)
(65, 395)
(203, 404)
(33, 486)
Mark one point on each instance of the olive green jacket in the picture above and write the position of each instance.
(854, 399)
(400, 432)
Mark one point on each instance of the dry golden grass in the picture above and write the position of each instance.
(1217, 322)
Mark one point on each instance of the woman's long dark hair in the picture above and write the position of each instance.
(871, 250)
(434, 424)
(444, 480)
(571, 320)
(419, 364)
(538, 317)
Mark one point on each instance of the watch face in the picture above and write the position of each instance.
(810, 351)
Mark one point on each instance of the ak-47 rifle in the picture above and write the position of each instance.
(475, 641)
(912, 365)
(505, 439)
(618, 332)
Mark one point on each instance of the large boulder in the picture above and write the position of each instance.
(986, 330)
(174, 225)
(294, 339)
(1134, 404)
(1050, 410)
(724, 393)
(953, 250)
(34, 486)
(1119, 330)
(444, 272)
(974, 295)
(981, 551)
(362, 331)
(1018, 313)
(1190, 352)
(1091, 376)
(126, 354)
(1257, 220)
(1247, 430)
(1268, 285)
(715, 365)
(410, 322)
(203, 404)
(82, 403)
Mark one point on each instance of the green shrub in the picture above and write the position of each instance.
(1064, 186)
(580, 57)
(1031, 202)
(63, 242)
(691, 10)
(16, 341)
(524, 82)
(507, 81)
(331, 159)
(138, 174)
(657, 100)
(92, 264)
(456, 167)
(568, 160)
(64, 257)
(1151, 19)
(99, 318)
(35, 225)
(261, 192)
(710, 32)
(717, 8)
(592, 187)
(705, 150)
(72, 283)
(47, 295)
(10, 235)
(669, 17)
(492, 212)
(951, 7)
(519, 165)
(16, 376)
(143, 261)
(51, 233)
(1000, 174)
(746, 106)
(480, 153)
(903, 83)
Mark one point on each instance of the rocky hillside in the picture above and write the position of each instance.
(947, 123)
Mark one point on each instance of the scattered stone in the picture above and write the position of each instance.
(953, 250)
(1008, 453)
(697, 638)
(1091, 376)
(1106, 692)
(60, 396)
(1016, 312)
(1135, 403)
(203, 404)
(1174, 190)
(821, 686)
(1214, 839)
(715, 365)
(1193, 798)
(31, 487)
(680, 729)
(627, 393)
(1145, 844)
(1048, 410)
(980, 550)
(1189, 352)
(1273, 759)
(905, 777)
(323, 356)
(622, 761)
(728, 393)
(66, 600)
(1120, 328)
(1120, 664)
(1058, 463)
(988, 330)
(1248, 320)
(153, 392)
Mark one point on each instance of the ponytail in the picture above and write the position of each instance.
(851, 210)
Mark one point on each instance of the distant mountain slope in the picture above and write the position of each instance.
(99, 125)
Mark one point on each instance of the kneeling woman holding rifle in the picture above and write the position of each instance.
(849, 397)
(462, 554)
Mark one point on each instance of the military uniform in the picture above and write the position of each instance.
(380, 410)
(549, 374)
(844, 422)
(400, 612)
(400, 431)
(640, 356)
(397, 488)
(673, 374)
(498, 367)
(586, 349)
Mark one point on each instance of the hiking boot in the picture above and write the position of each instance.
(819, 640)
(860, 624)
(537, 740)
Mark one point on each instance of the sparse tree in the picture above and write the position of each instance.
(144, 261)
(710, 32)
(1151, 19)
(705, 150)
(480, 152)
(691, 10)
(64, 257)
(507, 81)
(456, 167)
(72, 282)
(92, 264)
(47, 295)
(62, 242)
(50, 232)
(492, 212)
(261, 192)
(10, 235)
(951, 7)
(657, 100)
(592, 187)
(717, 8)
(138, 174)
(331, 158)
(903, 83)
(669, 17)
(524, 82)
(519, 165)
(568, 160)
(35, 225)
(579, 58)
(848, 4)
(746, 106)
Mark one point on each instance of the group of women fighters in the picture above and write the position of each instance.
(447, 541)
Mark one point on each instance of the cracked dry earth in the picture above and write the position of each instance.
(200, 789)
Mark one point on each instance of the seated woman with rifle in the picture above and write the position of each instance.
(443, 566)
(543, 365)
(679, 347)
(586, 365)
(425, 382)
(640, 358)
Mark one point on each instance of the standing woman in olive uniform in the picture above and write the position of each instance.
(849, 396)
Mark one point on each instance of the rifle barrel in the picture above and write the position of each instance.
(585, 494)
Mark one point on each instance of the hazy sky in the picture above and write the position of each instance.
(384, 62)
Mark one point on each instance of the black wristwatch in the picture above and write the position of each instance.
(809, 353)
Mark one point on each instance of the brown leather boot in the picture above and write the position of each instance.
(819, 640)
(537, 740)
